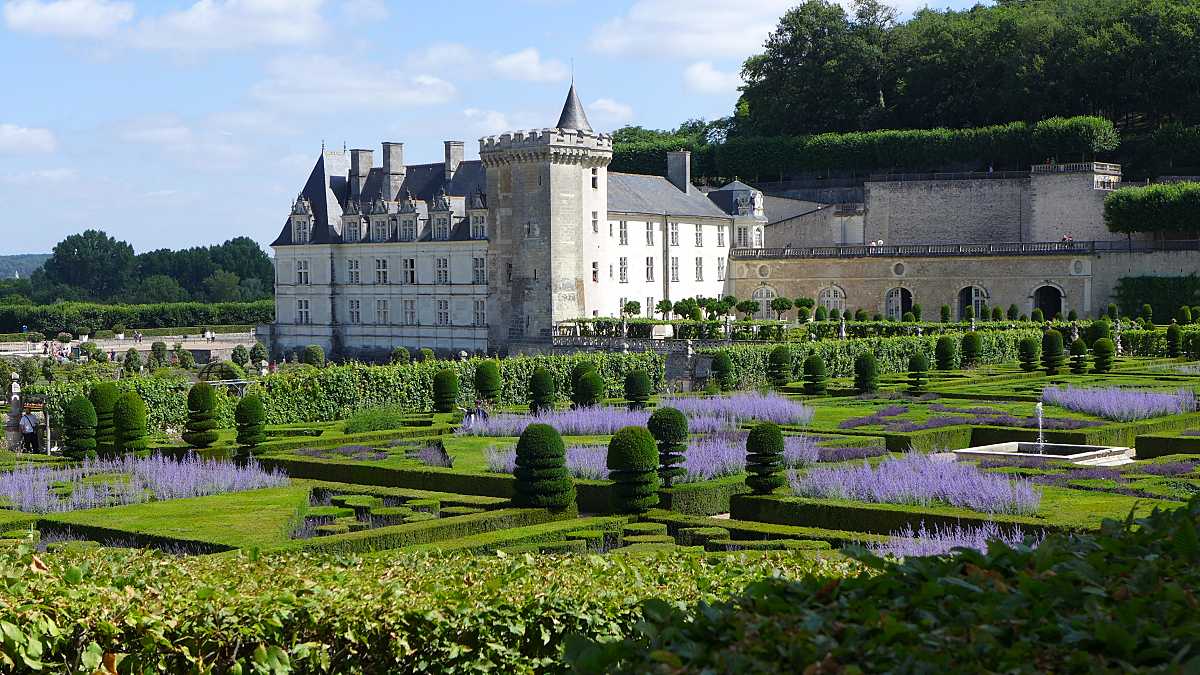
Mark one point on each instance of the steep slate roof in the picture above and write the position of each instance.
(784, 208)
(636, 193)
(572, 116)
(325, 190)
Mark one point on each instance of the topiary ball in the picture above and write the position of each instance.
(866, 373)
(590, 390)
(1105, 352)
(814, 375)
(487, 380)
(945, 353)
(722, 367)
(637, 389)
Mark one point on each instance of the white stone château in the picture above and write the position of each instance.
(489, 255)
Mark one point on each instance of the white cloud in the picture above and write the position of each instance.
(69, 18)
(528, 65)
(15, 139)
(322, 83)
(488, 121)
(198, 147)
(39, 176)
(157, 132)
(209, 25)
(690, 28)
(364, 11)
(610, 111)
(441, 55)
(703, 78)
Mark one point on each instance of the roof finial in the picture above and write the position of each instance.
(322, 146)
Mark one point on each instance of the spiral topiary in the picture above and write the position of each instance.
(1029, 352)
(945, 353)
(722, 367)
(543, 480)
(814, 375)
(251, 419)
(129, 422)
(541, 391)
(972, 346)
(1104, 351)
(633, 468)
(1174, 340)
(1099, 329)
(79, 428)
(104, 400)
(779, 366)
(918, 372)
(589, 390)
(764, 458)
(445, 390)
(487, 380)
(1079, 354)
(200, 431)
(637, 389)
(866, 373)
(669, 428)
(1052, 352)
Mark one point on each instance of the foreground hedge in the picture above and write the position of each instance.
(71, 612)
(1119, 601)
(87, 317)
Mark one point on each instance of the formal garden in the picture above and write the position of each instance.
(586, 512)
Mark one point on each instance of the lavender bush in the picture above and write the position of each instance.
(724, 454)
(878, 417)
(128, 480)
(942, 540)
(434, 454)
(1167, 469)
(849, 454)
(360, 453)
(919, 479)
(592, 421)
(1120, 405)
(589, 462)
(742, 407)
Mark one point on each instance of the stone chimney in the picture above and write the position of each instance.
(393, 169)
(454, 157)
(679, 169)
(361, 162)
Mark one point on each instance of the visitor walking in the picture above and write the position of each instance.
(28, 426)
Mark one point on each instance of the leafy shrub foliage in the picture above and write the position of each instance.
(129, 423)
(258, 353)
(633, 467)
(1079, 357)
(722, 367)
(543, 480)
(589, 390)
(972, 345)
(866, 373)
(62, 316)
(814, 375)
(764, 458)
(542, 392)
(240, 356)
(670, 430)
(1105, 351)
(251, 418)
(79, 428)
(1174, 340)
(313, 355)
(1160, 207)
(400, 355)
(202, 412)
(445, 390)
(637, 389)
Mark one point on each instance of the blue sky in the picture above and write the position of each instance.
(186, 122)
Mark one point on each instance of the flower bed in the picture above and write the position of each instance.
(1121, 405)
(940, 540)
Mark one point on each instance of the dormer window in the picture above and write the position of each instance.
(441, 228)
(351, 233)
(300, 228)
(478, 227)
(408, 229)
(379, 230)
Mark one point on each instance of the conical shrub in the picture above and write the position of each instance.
(129, 421)
(200, 431)
(487, 381)
(637, 389)
(815, 381)
(541, 391)
(445, 390)
(104, 400)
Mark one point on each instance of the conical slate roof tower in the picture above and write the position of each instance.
(573, 116)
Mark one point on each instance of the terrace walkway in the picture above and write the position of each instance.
(966, 250)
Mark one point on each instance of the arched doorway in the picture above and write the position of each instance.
(763, 295)
(1048, 299)
(974, 297)
(897, 303)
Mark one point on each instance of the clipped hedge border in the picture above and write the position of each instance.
(750, 530)
(542, 533)
(706, 498)
(50, 525)
(1150, 446)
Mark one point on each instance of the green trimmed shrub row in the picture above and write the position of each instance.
(76, 316)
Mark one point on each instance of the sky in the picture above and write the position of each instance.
(175, 123)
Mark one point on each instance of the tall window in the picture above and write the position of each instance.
(409, 309)
(478, 270)
(595, 178)
(381, 270)
(649, 234)
(650, 307)
(355, 311)
(442, 270)
(350, 231)
(301, 232)
(743, 237)
(443, 312)
(673, 228)
(379, 230)
(480, 313)
(832, 298)
(763, 295)
(302, 278)
(302, 314)
(649, 268)
(720, 269)
(408, 229)
(596, 222)
(441, 228)
(623, 240)
(352, 272)
(381, 311)
(409, 270)
(699, 268)
(674, 268)
(758, 237)
(595, 271)
(720, 236)
(623, 264)
(478, 227)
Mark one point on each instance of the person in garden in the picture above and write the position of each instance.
(28, 426)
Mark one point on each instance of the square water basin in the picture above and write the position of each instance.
(1078, 454)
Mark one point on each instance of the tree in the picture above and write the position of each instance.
(998, 314)
(201, 418)
(820, 314)
(542, 479)
(1148, 312)
(664, 307)
(129, 422)
(1112, 311)
(487, 381)
(779, 306)
(722, 367)
(764, 458)
(154, 289)
(313, 355)
(916, 311)
(1174, 340)
(445, 390)
(245, 258)
(1037, 315)
(633, 467)
(258, 353)
(670, 430)
(1079, 356)
(814, 375)
(1013, 312)
(779, 366)
(251, 418)
(132, 363)
(104, 400)
(240, 356)
(866, 373)
(749, 308)
(541, 391)
(400, 356)
(79, 428)
(631, 308)
(1052, 352)
(158, 355)
(918, 373)
(637, 389)
(92, 261)
(183, 357)
(1029, 351)
(944, 313)
(945, 353)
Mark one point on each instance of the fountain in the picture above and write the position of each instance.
(1041, 442)
(1091, 455)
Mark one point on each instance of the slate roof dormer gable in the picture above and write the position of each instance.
(573, 116)
(324, 192)
(441, 202)
(406, 202)
(352, 208)
(301, 207)
(478, 200)
(378, 208)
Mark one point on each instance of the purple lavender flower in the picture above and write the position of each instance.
(1121, 405)
(921, 480)
(850, 453)
(743, 407)
(1168, 468)
(878, 417)
(434, 454)
(588, 462)
(942, 540)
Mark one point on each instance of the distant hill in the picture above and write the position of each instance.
(23, 264)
